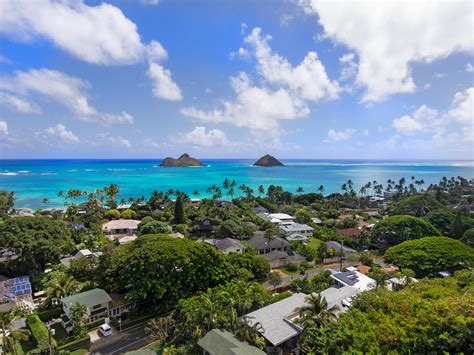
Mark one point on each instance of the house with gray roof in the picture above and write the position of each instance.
(278, 259)
(226, 245)
(263, 246)
(223, 342)
(278, 323)
(336, 246)
(297, 228)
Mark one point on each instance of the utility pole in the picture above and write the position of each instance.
(340, 257)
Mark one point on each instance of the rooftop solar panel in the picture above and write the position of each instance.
(348, 277)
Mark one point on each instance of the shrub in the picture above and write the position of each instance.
(39, 332)
(128, 214)
(291, 267)
(112, 214)
(50, 314)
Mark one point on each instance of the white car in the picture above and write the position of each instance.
(105, 330)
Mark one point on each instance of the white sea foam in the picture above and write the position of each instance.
(8, 173)
(48, 174)
(72, 170)
(24, 171)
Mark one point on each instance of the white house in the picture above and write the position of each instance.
(296, 228)
(120, 228)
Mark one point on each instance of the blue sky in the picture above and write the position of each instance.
(235, 79)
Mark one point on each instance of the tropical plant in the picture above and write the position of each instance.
(61, 286)
(9, 335)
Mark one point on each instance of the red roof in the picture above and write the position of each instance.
(350, 232)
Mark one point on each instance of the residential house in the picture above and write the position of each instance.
(120, 228)
(229, 245)
(337, 247)
(99, 305)
(296, 228)
(83, 253)
(259, 209)
(350, 232)
(297, 238)
(277, 218)
(340, 297)
(278, 259)
(316, 220)
(263, 246)
(353, 278)
(397, 283)
(278, 324)
(223, 342)
(16, 293)
(204, 226)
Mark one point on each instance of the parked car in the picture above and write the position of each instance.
(105, 330)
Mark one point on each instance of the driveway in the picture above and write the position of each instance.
(120, 342)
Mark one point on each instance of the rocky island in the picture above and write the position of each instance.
(268, 160)
(183, 160)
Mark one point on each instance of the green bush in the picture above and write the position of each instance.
(50, 314)
(112, 214)
(78, 343)
(39, 332)
(128, 214)
(291, 267)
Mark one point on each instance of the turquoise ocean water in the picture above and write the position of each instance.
(33, 180)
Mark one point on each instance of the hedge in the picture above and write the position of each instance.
(39, 332)
(50, 314)
(76, 344)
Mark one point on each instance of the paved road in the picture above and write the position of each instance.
(120, 342)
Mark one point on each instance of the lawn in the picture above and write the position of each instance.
(59, 333)
(314, 243)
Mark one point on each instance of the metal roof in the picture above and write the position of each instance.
(88, 298)
(223, 342)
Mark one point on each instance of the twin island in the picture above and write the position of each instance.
(186, 160)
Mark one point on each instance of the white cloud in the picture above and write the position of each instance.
(62, 88)
(281, 94)
(150, 2)
(108, 139)
(241, 53)
(462, 107)
(348, 133)
(308, 80)
(58, 132)
(428, 120)
(163, 85)
(420, 31)
(469, 68)
(254, 107)
(96, 34)
(156, 52)
(422, 120)
(199, 137)
(3, 128)
(285, 20)
(18, 104)
(99, 34)
(440, 75)
(349, 66)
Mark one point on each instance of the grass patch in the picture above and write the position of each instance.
(59, 333)
(314, 243)
(79, 352)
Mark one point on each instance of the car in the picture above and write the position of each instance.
(105, 330)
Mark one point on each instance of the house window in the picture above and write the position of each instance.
(97, 306)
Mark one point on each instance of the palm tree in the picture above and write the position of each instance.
(195, 193)
(299, 190)
(9, 335)
(77, 314)
(62, 286)
(261, 190)
(321, 189)
(316, 312)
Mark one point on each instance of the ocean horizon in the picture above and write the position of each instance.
(35, 179)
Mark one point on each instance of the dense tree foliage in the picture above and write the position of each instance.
(468, 237)
(429, 255)
(154, 227)
(418, 206)
(396, 229)
(441, 219)
(220, 307)
(234, 228)
(179, 216)
(428, 317)
(316, 283)
(256, 265)
(7, 200)
(161, 270)
(36, 240)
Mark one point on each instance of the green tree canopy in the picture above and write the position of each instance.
(429, 317)
(161, 270)
(36, 240)
(7, 200)
(396, 229)
(418, 206)
(179, 216)
(442, 219)
(233, 228)
(257, 265)
(468, 237)
(429, 255)
(155, 227)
